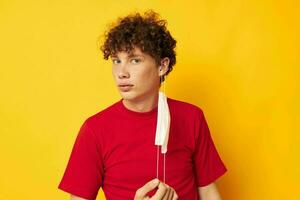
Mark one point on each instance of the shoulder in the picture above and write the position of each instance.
(183, 107)
(103, 116)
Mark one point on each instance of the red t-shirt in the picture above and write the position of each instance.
(115, 150)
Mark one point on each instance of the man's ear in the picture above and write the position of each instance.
(164, 66)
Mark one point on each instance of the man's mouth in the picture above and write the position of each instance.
(125, 88)
(123, 85)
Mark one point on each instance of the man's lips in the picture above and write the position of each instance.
(125, 87)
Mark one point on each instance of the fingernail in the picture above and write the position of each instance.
(155, 181)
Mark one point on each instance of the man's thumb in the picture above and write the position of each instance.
(148, 187)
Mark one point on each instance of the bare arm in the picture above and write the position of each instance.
(209, 192)
(73, 197)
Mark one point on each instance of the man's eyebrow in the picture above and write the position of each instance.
(129, 56)
(134, 55)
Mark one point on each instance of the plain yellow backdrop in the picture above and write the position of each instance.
(238, 60)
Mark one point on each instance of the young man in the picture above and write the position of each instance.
(115, 148)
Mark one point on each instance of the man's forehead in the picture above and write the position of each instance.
(134, 52)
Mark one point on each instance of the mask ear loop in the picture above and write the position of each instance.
(157, 158)
(164, 87)
(157, 161)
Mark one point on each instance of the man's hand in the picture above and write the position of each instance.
(164, 192)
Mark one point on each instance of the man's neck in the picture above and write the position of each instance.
(143, 105)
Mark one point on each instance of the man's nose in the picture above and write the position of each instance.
(123, 73)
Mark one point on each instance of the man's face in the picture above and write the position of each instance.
(136, 74)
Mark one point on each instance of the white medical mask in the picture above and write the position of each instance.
(163, 123)
(162, 129)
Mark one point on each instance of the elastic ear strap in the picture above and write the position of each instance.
(164, 167)
(165, 84)
(157, 158)
(157, 161)
(157, 165)
(165, 81)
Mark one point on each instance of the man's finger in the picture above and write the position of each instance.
(142, 192)
(166, 197)
(175, 197)
(171, 194)
(161, 192)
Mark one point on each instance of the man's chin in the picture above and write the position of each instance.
(127, 96)
(130, 97)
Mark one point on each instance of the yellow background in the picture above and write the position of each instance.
(238, 60)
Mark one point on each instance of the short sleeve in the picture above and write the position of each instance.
(84, 172)
(208, 164)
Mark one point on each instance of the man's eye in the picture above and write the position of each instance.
(135, 61)
(115, 61)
